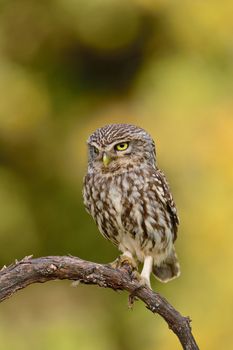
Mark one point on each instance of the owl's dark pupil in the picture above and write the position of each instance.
(96, 150)
(121, 146)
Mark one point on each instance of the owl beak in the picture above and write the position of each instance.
(106, 159)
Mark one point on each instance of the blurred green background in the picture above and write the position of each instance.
(67, 67)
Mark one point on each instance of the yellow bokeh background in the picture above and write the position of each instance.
(68, 67)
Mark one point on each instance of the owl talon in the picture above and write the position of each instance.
(114, 264)
(143, 281)
(124, 261)
(131, 301)
(136, 275)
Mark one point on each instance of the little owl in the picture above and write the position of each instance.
(129, 198)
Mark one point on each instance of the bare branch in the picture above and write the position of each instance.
(28, 271)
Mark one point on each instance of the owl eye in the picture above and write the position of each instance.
(95, 149)
(121, 146)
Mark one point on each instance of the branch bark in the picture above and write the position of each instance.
(27, 271)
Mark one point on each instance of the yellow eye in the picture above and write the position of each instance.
(96, 151)
(122, 146)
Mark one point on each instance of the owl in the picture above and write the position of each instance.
(129, 198)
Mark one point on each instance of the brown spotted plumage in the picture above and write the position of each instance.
(129, 198)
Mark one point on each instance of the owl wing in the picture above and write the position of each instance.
(164, 193)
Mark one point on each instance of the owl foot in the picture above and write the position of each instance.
(131, 301)
(124, 261)
(143, 282)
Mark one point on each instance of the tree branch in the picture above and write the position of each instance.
(28, 271)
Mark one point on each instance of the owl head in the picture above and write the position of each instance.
(119, 147)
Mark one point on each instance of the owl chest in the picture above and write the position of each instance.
(111, 207)
(109, 204)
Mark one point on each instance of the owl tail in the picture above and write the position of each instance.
(168, 269)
